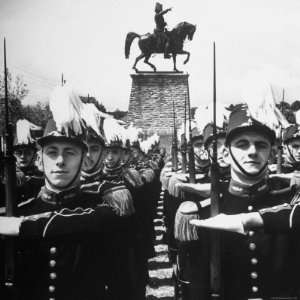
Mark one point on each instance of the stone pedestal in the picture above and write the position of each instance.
(151, 102)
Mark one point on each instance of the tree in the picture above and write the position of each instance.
(118, 114)
(38, 114)
(295, 106)
(93, 100)
(17, 90)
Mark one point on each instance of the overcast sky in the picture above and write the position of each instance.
(84, 39)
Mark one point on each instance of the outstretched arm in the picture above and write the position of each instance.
(277, 219)
(64, 223)
(165, 11)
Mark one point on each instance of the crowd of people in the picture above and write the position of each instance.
(87, 187)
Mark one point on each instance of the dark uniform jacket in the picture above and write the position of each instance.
(66, 246)
(259, 265)
(284, 218)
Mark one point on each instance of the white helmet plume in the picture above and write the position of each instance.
(204, 115)
(262, 106)
(92, 117)
(66, 107)
(133, 133)
(23, 131)
(113, 130)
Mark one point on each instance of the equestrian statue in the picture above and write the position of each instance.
(161, 40)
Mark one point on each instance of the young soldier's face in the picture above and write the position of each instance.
(61, 162)
(251, 150)
(135, 152)
(294, 149)
(220, 152)
(94, 155)
(113, 156)
(24, 156)
(126, 155)
(198, 147)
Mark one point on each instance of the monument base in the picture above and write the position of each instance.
(151, 102)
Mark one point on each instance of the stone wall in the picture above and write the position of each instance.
(151, 101)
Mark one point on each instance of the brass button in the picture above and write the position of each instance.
(252, 246)
(250, 208)
(53, 275)
(51, 288)
(254, 261)
(254, 275)
(53, 250)
(251, 233)
(254, 289)
(52, 263)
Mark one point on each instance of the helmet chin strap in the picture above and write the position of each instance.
(291, 155)
(244, 171)
(294, 162)
(65, 187)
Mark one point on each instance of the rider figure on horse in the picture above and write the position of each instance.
(163, 39)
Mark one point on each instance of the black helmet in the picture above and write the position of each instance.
(52, 134)
(208, 134)
(241, 120)
(290, 133)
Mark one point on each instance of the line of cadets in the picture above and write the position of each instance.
(263, 261)
(86, 200)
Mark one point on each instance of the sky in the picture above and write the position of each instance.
(84, 40)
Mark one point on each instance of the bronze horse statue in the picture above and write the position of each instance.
(148, 44)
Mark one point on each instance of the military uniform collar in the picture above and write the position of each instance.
(86, 176)
(239, 189)
(60, 198)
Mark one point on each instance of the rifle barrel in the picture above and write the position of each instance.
(174, 143)
(215, 279)
(10, 191)
(183, 142)
(192, 175)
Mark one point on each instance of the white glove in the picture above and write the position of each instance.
(233, 223)
(10, 225)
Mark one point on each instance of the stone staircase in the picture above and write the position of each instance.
(161, 283)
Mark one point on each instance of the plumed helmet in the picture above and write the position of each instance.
(136, 144)
(67, 124)
(114, 133)
(241, 120)
(94, 120)
(208, 134)
(132, 134)
(290, 133)
(26, 134)
(196, 134)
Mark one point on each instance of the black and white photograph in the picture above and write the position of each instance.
(149, 150)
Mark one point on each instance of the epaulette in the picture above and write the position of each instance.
(119, 198)
(148, 174)
(282, 191)
(27, 202)
(91, 188)
(133, 177)
(278, 184)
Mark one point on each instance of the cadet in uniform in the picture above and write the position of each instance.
(95, 140)
(257, 265)
(29, 178)
(63, 249)
(191, 253)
